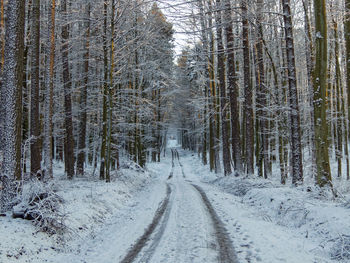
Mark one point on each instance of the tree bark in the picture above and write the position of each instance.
(48, 125)
(12, 89)
(233, 89)
(323, 177)
(222, 88)
(35, 146)
(83, 100)
(248, 94)
(67, 84)
(297, 165)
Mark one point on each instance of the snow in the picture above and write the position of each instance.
(265, 221)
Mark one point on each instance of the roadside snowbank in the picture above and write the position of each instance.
(87, 203)
(306, 210)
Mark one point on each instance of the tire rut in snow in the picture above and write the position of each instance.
(141, 242)
(178, 159)
(226, 251)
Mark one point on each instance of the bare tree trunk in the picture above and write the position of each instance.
(48, 125)
(35, 147)
(248, 94)
(69, 140)
(233, 89)
(83, 100)
(105, 94)
(12, 89)
(262, 94)
(297, 165)
(320, 99)
(222, 87)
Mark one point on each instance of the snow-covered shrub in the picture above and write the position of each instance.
(341, 249)
(41, 204)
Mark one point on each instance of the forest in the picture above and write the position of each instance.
(252, 92)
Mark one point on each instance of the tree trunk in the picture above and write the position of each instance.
(320, 99)
(262, 94)
(222, 88)
(233, 90)
(248, 94)
(67, 84)
(35, 147)
(105, 94)
(48, 125)
(12, 89)
(297, 166)
(83, 100)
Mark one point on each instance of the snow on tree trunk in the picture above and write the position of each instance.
(83, 100)
(12, 89)
(49, 85)
(222, 88)
(248, 94)
(320, 100)
(69, 139)
(233, 89)
(297, 166)
(35, 146)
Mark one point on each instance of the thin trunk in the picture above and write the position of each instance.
(248, 94)
(297, 166)
(83, 100)
(67, 85)
(222, 89)
(48, 125)
(105, 94)
(233, 90)
(35, 147)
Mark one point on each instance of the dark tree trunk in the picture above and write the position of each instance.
(69, 140)
(35, 146)
(297, 165)
(83, 101)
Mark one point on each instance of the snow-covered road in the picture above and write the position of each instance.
(172, 221)
(179, 218)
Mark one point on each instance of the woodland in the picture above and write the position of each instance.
(256, 89)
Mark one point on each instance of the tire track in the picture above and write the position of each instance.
(142, 241)
(226, 251)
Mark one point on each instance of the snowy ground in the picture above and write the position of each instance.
(178, 212)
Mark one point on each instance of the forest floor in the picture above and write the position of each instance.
(178, 212)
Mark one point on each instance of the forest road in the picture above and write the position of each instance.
(185, 228)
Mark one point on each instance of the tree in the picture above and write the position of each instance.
(35, 146)
(83, 99)
(323, 176)
(222, 89)
(50, 60)
(12, 89)
(297, 166)
(69, 139)
(248, 95)
(233, 89)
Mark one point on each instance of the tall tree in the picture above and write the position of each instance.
(297, 166)
(105, 94)
(232, 88)
(35, 146)
(261, 99)
(248, 94)
(69, 139)
(222, 89)
(12, 89)
(83, 99)
(50, 61)
(323, 176)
